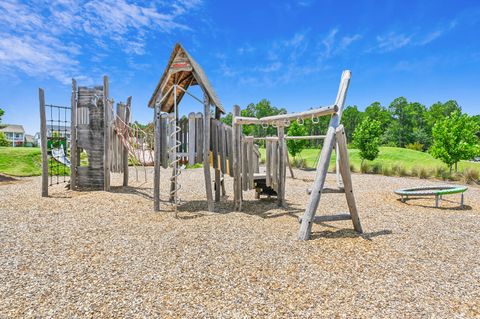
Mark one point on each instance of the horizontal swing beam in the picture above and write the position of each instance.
(307, 137)
(322, 111)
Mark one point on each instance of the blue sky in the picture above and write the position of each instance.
(290, 52)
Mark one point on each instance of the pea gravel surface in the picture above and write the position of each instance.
(108, 254)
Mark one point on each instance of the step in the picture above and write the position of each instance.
(328, 190)
(328, 218)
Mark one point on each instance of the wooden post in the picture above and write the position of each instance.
(73, 136)
(191, 138)
(216, 147)
(236, 151)
(288, 162)
(344, 169)
(268, 159)
(125, 148)
(323, 162)
(43, 140)
(157, 157)
(106, 136)
(281, 166)
(206, 152)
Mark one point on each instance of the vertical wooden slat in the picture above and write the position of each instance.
(281, 166)
(43, 140)
(191, 138)
(158, 155)
(236, 161)
(199, 138)
(268, 158)
(216, 149)
(274, 165)
(250, 158)
(223, 150)
(244, 164)
(73, 136)
(163, 140)
(206, 152)
(106, 137)
(125, 148)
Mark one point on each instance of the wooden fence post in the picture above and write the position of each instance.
(106, 136)
(157, 156)
(125, 148)
(206, 152)
(282, 167)
(73, 136)
(236, 151)
(43, 140)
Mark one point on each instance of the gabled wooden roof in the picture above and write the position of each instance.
(183, 70)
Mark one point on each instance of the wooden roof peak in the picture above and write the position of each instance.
(183, 71)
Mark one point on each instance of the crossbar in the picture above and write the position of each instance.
(307, 137)
(278, 119)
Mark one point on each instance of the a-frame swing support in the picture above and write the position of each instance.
(335, 137)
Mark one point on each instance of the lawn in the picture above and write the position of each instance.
(26, 161)
(388, 157)
(20, 161)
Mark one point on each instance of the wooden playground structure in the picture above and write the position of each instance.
(110, 140)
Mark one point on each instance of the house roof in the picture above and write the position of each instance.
(184, 71)
(11, 128)
(29, 138)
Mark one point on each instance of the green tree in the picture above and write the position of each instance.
(439, 111)
(296, 146)
(2, 112)
(367, 139)
(3, 140)
(406, 116)
(351, 117)
(454, 139)
(376, 111)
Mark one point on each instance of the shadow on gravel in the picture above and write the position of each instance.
(349, 233)
(465, 207)
(139, 191)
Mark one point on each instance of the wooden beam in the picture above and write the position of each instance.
(322, 111)
(236, 151)
(329, 218)
(125, 148)
(216, 147)
(73, 136)
(158, 156)
(206, 151)
(281, 166)
(347, 178)
(43, 140)
(307, 137)
(106, 136)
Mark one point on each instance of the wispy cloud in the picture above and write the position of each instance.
(49, 40)
(392, 41)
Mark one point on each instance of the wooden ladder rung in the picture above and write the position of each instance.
(327, 190)
(329, 218)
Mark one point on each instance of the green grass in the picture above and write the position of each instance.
(388, 157)
(26, 161)
(20, 161)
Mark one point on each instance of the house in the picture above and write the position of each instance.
(30, 141)
(14, 133)
(54, 130)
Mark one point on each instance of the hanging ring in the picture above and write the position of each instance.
(315, 122)
(286, 123)
(274, 124)
(300, 121)
(265, 125)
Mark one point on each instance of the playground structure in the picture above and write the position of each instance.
(103, 135)
(437, 191)
(110, 141)
(212, 144)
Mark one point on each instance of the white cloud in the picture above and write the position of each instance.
(48, 40)
(392, 41)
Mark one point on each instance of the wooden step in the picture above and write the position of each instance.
(329, 218)
(328, 190)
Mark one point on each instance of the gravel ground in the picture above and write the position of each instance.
(98, 254)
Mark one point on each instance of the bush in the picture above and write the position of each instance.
(387, 171)
(470, 175)
(364, 167)
(399, 170)
(3, 140)
(423, 173)
(352, 168)
(415, 146)
(376, 168)
(299, 162)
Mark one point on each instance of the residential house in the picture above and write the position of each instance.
(14, 133)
